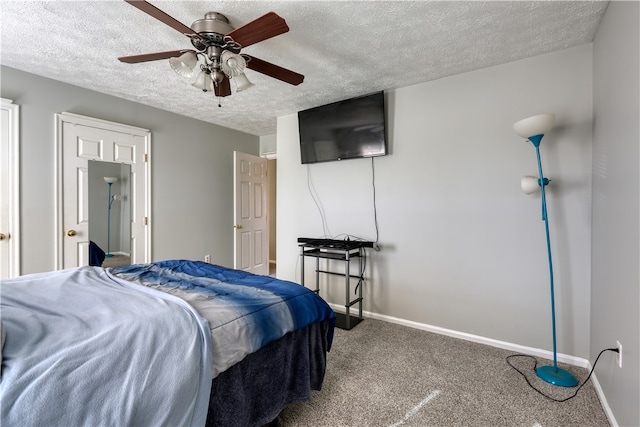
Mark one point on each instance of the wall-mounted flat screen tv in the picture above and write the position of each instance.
(348, 129)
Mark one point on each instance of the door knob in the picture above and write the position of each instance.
(237, 226)
(71, 233)
(3, 236)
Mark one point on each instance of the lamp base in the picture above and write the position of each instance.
(556, 376)
(108, 255)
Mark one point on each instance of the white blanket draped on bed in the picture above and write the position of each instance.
(83, 349)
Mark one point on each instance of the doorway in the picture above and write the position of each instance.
(255, 202)
(272, 173)
(251, 231)
(9, 191)
(82, 139)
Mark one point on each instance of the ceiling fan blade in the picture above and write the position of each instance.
(163, 17)
(274, 71)
(223, 88)
(134, 59)
(262, 28)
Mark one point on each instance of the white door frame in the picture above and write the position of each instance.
(77, 119)
(10, 159)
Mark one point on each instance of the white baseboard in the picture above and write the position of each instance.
(603, 400)
(545, 354)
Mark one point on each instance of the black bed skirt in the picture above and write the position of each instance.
(254, 391)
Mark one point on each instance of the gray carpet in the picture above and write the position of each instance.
(382, 374)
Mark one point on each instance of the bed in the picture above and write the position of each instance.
(168, 343)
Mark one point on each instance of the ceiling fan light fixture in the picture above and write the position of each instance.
(184, 64)
(217, 48)
(233, 64)
(204, 82)
(242, 82)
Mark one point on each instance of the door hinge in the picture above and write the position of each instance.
(146, 158)
(146, 220)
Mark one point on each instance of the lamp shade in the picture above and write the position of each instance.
(534, 125)
(242, 82)
(529, 184)
(232, 64)
(204, 82)
(110, 179)
(184, 64)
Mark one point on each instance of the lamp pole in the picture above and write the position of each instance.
(109, 224)
(535, 140)
(109, 180)
(533, 129)
(550, 374)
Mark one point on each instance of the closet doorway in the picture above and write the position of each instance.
(82, 139)
(9, 190)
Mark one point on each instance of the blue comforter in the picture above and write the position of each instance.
(245, 311)
(84, 349)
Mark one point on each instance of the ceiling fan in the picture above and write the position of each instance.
(217, 44)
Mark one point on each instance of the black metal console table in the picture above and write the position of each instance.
(338, 250)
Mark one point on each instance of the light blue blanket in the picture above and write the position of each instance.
(85, 349)
(245, 311)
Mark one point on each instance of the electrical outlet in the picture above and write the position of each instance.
(207, 258)
(619, 354)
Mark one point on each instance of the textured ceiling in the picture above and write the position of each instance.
(344, 48)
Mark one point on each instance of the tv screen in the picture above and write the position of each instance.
(347, 129)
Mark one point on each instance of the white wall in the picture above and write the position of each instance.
(615, 294)
(268, 145)
(192, 170)
(462, 247)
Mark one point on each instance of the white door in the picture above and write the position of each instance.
(81, 139)
(9, 191)
(251, 242)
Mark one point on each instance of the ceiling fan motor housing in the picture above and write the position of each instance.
(213, 28)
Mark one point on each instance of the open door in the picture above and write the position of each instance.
(251, 228)
(82, 139)
(9, 190)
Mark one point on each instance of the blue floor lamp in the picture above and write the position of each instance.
(110, 180)
(533, 129)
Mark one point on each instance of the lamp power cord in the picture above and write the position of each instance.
(508, 359)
